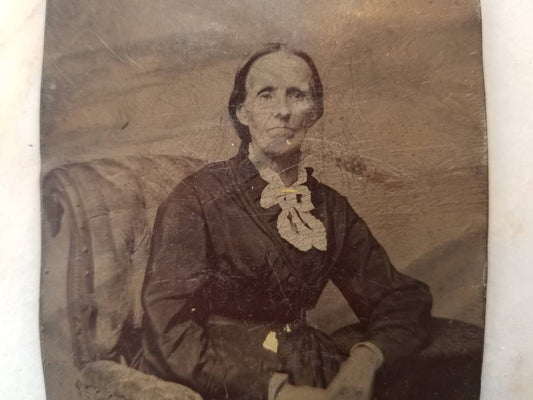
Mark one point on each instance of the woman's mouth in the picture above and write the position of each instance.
(281, 128)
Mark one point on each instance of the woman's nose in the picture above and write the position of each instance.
(282, 110)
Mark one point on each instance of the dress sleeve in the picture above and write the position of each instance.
(394, 309)
(176, 343)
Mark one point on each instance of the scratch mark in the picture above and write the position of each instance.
(141, 242)
(279, 282)
(97, 216)
(127, 60)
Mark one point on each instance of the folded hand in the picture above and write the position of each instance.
(292, 392)
(355, 379)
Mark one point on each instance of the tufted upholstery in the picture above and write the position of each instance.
(110, 207)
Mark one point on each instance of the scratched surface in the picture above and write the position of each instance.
(402, 136)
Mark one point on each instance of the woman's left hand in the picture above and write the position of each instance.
(355, 379)
(292, 392)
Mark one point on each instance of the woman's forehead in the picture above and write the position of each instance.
(279, 69)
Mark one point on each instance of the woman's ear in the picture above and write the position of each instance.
(242, 115)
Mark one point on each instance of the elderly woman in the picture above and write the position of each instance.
(242, 248)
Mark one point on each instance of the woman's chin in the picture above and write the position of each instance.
(282, 149)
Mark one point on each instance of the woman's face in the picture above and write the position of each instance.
(279, 105)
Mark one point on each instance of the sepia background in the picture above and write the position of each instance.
(402, 136)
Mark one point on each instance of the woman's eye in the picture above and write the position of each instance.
(296, 94)
(265, 96)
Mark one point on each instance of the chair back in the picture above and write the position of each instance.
(108, 208)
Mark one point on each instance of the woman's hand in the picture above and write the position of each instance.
(355, 379)
(292, 392)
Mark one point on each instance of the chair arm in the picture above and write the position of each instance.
(107, 380)
(448, 369)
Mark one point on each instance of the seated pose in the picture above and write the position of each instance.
(243, 248)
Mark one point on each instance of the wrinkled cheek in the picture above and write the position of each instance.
(304, 115)
(262, 119)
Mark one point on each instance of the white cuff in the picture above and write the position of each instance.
(276, 383)
(373, 348)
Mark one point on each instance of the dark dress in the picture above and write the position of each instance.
(220, 278)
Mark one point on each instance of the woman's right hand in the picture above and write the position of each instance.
(302, 392)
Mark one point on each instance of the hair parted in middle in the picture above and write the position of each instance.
(238, 94)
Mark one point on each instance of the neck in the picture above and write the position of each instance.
(286, 165)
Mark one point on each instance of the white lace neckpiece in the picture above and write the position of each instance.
(295, 223)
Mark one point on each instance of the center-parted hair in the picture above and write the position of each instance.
(238, 95)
